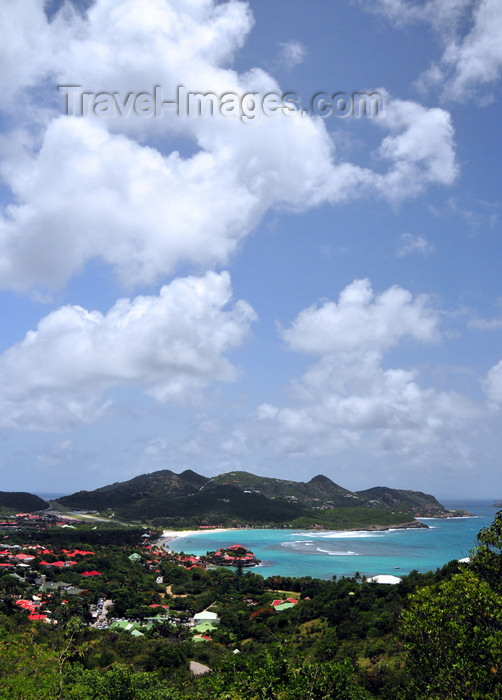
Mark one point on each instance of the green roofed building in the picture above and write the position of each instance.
(126, 626)
(55, 586)
(158, 618)
(284, 606)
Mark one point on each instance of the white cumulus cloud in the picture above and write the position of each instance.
(420, 146)
(349, 399)
(476, 58)
(171, 346)
(471, 34)
(115, 189)
(362, 320)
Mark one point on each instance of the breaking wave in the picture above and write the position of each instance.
(337, 554)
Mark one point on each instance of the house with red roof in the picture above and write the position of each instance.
(22, 557)
(157, 605)
(188, 560)
(275, 603)
(27, 604)
(75, 552)
(235, 555)
(58, 563)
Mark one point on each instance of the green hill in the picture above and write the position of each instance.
(21, 502)
(189, 499)
(146, 488)
(318, 489)
(415, 501)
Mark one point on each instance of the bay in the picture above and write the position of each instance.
(323, 554)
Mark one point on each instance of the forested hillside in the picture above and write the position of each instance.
(20, 501)
(188, 499)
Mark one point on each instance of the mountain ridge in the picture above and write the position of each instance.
(239, 497)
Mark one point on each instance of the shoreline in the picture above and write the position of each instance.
(168, 536)
(372, 555)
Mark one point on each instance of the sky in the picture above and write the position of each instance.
(251, 236)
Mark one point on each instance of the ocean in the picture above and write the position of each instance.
(51, 495)
(323, 554)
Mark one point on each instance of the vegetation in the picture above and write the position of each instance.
(453, 629)
(434, 636)
(188, 499)
(17, 501)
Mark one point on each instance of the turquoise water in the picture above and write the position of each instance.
(324, 554)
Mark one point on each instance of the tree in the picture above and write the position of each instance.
(27, 670)
(274, 675)
(487, 557)
(453, 629)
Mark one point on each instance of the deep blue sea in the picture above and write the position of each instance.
(324, 554)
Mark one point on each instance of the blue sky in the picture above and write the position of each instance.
(291, 296)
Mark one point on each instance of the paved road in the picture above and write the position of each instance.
(101, 619)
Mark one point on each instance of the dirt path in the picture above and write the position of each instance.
(169, 591)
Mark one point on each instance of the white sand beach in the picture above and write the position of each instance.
(168, 536)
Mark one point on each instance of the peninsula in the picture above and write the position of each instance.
(190, 501)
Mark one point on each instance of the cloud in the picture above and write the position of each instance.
(156, 448)
(171, 346)
(57, 454)
(90, 194)
(94, 194)
(410, 244)
(292, 53)
(117, 45)
(25, 48)
(471, 57)
(362, 320)
(477, 214)
(476, 59)
(420, 146)
(443, 15)
(348, 399)
(87, 188)
(363, 407)
(485, 324)
(492, 383)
